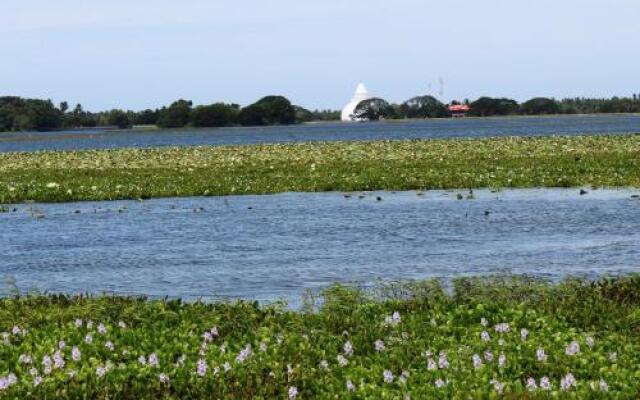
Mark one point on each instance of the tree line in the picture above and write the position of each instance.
(430, 107)
(20, 114)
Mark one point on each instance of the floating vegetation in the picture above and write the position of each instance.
(349, 167)
(488, 338)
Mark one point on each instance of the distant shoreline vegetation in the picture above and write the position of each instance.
(22, 114)
(602, 161)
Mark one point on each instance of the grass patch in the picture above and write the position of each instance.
(506, 336)
(309, 167)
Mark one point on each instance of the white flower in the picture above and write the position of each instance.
(88, 339)
(207, 336)
(572, 349)
(387, 376)
(440, 383)
(613, 356)
(101, 371)
(502, 360)
(214, 331)
(62, 345)
(567, 382)
(497, 385)
(78, 323)
(350, 386)
(324, 364)
(485, 336)
(109, 345)
(293, 392)
(379, 345)
(348, 348)
(484, 322)
(524, 334)
(603, 386)
(163, 378)
(477, 361)
(122, 325)
(37, 380)
(488, 356)
(53, 185)
(502, 328)
(531, 384)
(431, 365)
(89, 324)
(142, 360)
(33, 372)
(25, 359)
(102, 329)
(226, 366)
(342, 360)
(263, 347)
(590, 341)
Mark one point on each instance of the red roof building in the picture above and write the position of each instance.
(459, 110)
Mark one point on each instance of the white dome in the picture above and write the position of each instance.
(361, 94)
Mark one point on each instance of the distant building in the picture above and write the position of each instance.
(360, 95)
(459, 110)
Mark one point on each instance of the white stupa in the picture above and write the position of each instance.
(360, 95)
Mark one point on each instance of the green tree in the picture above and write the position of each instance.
(215, 115)
(488, 106)
(119, 118)
(423, 107)
(540, 105)
(373, 110)
(176, 115)
(270, 110)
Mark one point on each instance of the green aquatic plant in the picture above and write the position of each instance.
(490, 337)
(311, 167)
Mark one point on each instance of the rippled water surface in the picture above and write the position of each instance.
(265, 247)
(440, 128)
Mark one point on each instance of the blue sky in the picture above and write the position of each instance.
(139, 54)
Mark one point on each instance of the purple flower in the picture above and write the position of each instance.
(293, 392)
(443, 362)
(567, 382)
(102, 329)
(153, 360)
(244, 354)
(440, 383)
(58, 360)
(502, 328)
(78, 323)
(572, 349)
(485, 336)
(540, 355)
(387, 376)
(603, 386)
(201, 367)
(431, 365)
(88, 339)
(545, 383)
(379, 345)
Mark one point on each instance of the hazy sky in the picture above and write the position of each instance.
(146, 53)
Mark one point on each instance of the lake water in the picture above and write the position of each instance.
(267, 247)
(439, 128)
